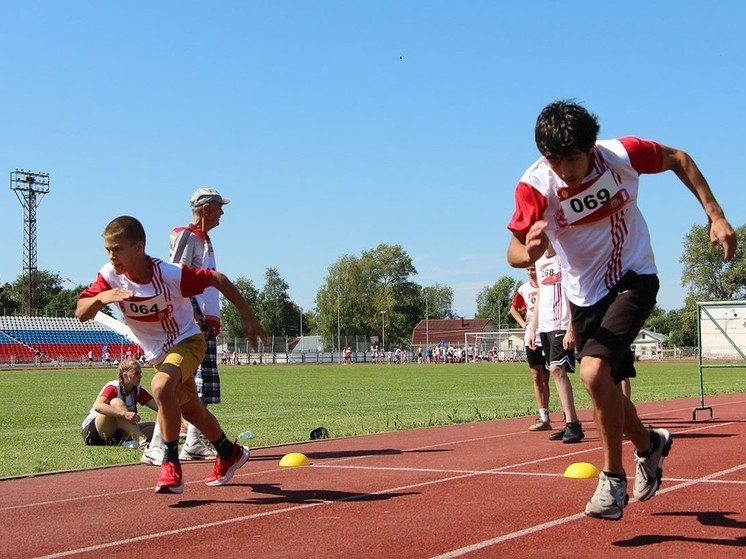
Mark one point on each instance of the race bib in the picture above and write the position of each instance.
(549, 274)
(593, 202)
(147, 309)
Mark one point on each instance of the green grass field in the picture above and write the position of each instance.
(41, 410)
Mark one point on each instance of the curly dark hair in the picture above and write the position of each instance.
(564, 127)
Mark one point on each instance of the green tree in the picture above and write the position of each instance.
(7, 302)
(395, 298)
(279, 314)
(310, 322)
(365, 295)
(707, 276)
(64, 302)
(229, 318)
(48, 284)
(344, 301)
(439, 301)
(494, 301)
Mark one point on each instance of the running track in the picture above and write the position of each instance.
(480, 490)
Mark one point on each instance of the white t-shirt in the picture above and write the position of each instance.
(597, 229)
(525, 299)
(553, 311)
(159, 312)
(113, 389)
(192, 247)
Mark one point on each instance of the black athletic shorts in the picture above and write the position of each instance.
(92, 437)
(609, 327)
(535, 357)
(555, 352)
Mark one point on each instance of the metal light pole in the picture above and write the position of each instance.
(301, 321)
(338, 331)
(30, 188)
(383, 330)
(427, 321)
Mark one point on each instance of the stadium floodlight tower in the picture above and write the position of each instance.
(30, 188)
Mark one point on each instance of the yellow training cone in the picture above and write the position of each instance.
(294, 459)
(581, 470)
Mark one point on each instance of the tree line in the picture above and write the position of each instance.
(374, 294)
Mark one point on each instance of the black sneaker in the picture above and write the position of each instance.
(573, 433)
(557, 435)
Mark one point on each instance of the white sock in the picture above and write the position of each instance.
(157, 440)
(192, 436)
(544, 414)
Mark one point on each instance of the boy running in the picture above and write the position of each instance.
(153, 297)
(581, 195)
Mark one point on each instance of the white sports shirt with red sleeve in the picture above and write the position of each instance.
(553, 310)
(159, 312)
(113, 389)
(525, 300)
(191, 246)
(597, 229)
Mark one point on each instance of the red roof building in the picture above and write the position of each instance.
(450, 331)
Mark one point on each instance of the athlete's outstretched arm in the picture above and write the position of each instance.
(681, 163)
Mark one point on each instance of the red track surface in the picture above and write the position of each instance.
(480, 490)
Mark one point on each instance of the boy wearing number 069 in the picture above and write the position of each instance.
(581, 195)
(153, 297)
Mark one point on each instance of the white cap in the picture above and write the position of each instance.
(202, 196)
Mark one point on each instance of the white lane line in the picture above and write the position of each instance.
(460, 552)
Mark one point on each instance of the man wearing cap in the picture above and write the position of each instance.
(190, 245)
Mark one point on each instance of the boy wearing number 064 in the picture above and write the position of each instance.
(581, 195)
(153, 297)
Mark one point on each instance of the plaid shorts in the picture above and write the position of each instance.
(206, 377)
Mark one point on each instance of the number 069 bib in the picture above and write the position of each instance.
(593, 202)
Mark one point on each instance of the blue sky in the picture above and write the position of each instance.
(335, 126)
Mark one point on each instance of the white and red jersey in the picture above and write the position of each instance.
(113, 389)
(191, 246)
(553, 311)
(159, 312)
(525, 301)
(597, 229)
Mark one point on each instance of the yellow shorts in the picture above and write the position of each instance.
(187, 355)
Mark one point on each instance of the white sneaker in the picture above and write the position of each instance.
(649, 469)
(609, 500)
(199, 451)
(153, 455)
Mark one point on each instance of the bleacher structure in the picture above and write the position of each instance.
(45, 341)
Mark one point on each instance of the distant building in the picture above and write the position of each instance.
(648, 344)
(449, 331)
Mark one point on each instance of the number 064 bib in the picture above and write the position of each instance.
(593, 201)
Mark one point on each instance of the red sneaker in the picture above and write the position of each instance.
(170, 480)
(223, 470)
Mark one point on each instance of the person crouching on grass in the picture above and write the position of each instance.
(153, 296)
(113, 419)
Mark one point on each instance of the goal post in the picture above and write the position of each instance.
(502, 345)
(721, 339)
